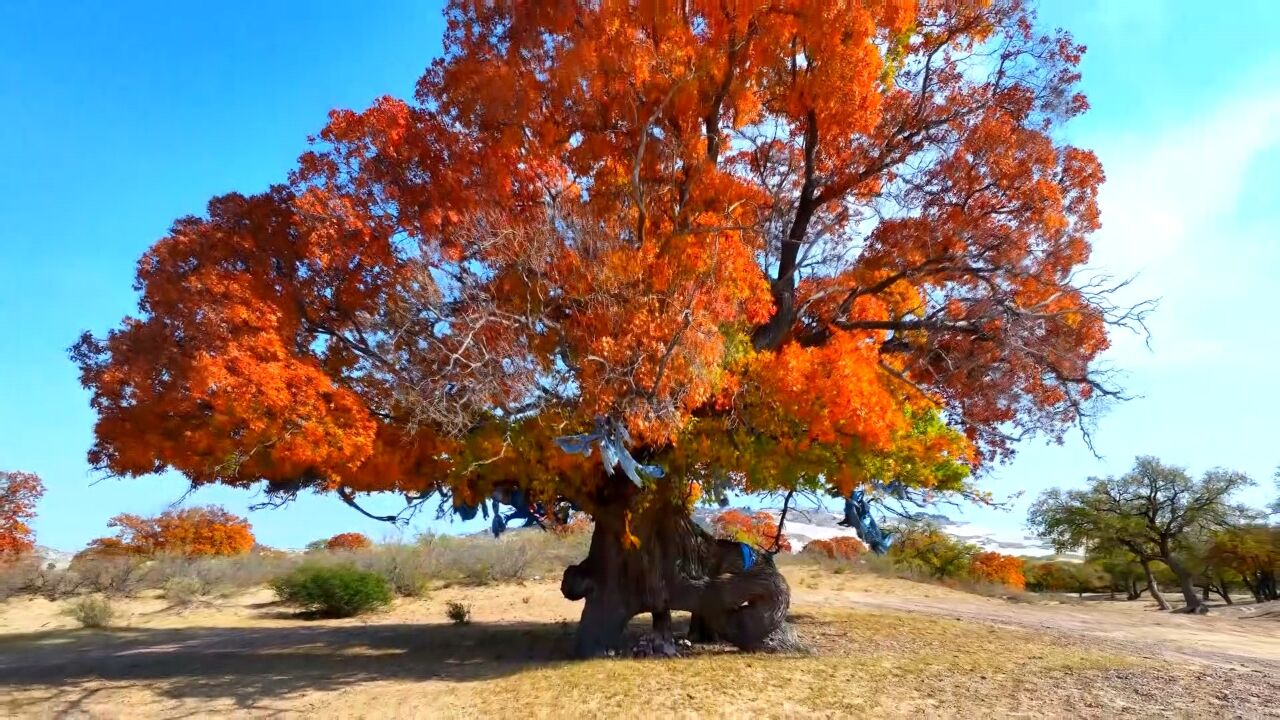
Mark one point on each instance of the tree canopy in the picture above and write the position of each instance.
(19, 493)
(822, 243)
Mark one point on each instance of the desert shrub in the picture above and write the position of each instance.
(184, 589)
(349, 541)
(219, 575)
(837, 548)
(997, 568)
(118, 575)
(191, 531)
(928, 550)
(758, 529)
(408, 569)
(458, 613)
(480, 561)
(93, 611)
(333, 590)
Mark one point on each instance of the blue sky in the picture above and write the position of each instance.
(117, 118)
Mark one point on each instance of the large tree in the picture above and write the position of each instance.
(777, 245)
(1155, 511)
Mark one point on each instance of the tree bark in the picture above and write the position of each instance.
(1154, 586)
(647, 555)
(1223, 591)
(1134, 591)
(1187, 585)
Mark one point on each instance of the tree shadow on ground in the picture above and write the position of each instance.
(249, 665)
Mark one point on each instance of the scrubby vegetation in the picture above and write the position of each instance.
(93, 611)
(333, 590)
(408, 569)
(458, 613)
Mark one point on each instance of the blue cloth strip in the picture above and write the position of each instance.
(748, 557)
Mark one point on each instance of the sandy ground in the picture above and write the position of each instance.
(879, 647)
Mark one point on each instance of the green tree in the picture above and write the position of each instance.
(1122, 569)
(1154, 511)
(927, 549)
(1252, 553)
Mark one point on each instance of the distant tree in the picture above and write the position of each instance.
(1275, 505)
(1155, 511)
(192, 531)
(758, 529)
(1123, 570)
(1047, 576)
(348, 541)
(998, 568)
(928, 549)
(19, 492)
(841, 547)
(1253, 554)
(1065, 576)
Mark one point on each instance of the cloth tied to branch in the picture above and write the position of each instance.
(612, 438)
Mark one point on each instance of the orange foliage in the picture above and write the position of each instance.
(19, 492)
(841, 547)
(348, 541)
(579, 524)
(191, 531)
(997, 568)
(758, 529)
(769, 238)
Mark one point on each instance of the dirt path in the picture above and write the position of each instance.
(1228, 637)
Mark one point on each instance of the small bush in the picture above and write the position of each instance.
(408, 569)
(93, 611)
(116, 575)
(459, 613)
(334, 590)
(184, 589)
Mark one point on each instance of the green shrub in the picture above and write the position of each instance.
(333, 590)
(93, 611)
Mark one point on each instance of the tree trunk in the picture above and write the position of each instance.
(1134, 592)
(1187, 585)
(1224, 591)
(1205, 595)
(648, 556)
(1154, 586)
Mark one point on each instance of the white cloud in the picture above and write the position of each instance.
(1172, 213)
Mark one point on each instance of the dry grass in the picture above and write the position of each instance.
(245, 657)
(411, 569)
(878, 645)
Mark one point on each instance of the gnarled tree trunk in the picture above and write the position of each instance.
(647, 555)
(1154, 586)
(1187, 584)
